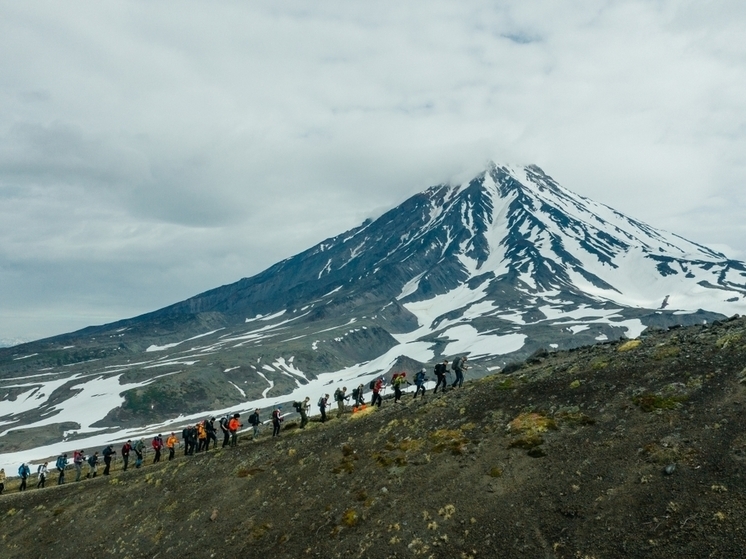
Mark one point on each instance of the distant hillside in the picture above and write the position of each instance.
(630, 448)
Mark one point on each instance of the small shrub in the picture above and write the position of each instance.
(350, 518)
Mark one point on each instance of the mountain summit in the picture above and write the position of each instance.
(498, 267)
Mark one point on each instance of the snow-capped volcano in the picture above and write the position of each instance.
(496, 268)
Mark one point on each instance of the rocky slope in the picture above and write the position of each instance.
(624, 449)
(497, 268)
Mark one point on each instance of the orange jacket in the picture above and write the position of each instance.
(172, 441)
(233, 424)
(201, 431)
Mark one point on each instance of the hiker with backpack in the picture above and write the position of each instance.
(323, 402)
(211, 434)
(255, 422)
(92, 465)
(276, 421)
(224, 429)
(108, 453)
(61, 464)
(201, 436)
(157, 444)
(459, 366)
(126, 447)
(24, 472)
(42, 472)
(233, 426)
(139, 448)
(357, 396)
(377, 387)
(2, 480)
(171, 443)
(440, 374)
(419, 382)
(78, 459)
(340, 395)
(397, 381)
(302, 409)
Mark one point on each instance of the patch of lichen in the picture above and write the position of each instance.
(666, 352)
(630, 345)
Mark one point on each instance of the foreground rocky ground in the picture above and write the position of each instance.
(628, 449)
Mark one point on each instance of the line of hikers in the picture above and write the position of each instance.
(197, 438)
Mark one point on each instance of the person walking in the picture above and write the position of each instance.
(458, 367)
(440, 374)
(157, 445)
(305, 405)
(24, 472)
(78, 459)
(211, 434)
(224, 428)
(340, 396)
(276, 421)
(323, 401)
(397, 382)
(377, 389)
(171, 443)
(419, 382)
(233, 426)
(61, 464)
(108, 453)
(2, 480)
(126, 448)
(357, 396)
(92, 465)
(42, 473)
(139, 448)
(255, 422)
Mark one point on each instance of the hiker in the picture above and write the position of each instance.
(126, 447)
(377, 389)
(78, 459)
(459, 366)
(108, 453)
(189, 435)
(440, 372)
(302, 409)
(157, 445)
(211, 434)
(42, 472)
(323, 402)
(419, 382)
(2, 480)
(233, 426)
(224, 428)
(397, 381)
(201, 436)
(340, 396)
(139, 448)
(92, 465)
(357, 396)
(255, 422)
(171, 443)
(276, 421)
(61, 464)
(24, 471)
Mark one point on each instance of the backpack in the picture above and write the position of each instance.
(321, 402)
(372, 384)
(455, 364)
(22, 470)
(298, 406)
(355, 393)
(92, 460)
(440, 369)
(254, 419)
(419, 378)
(60, 463)
(338, 395)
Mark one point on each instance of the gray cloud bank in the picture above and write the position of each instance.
(152, 151)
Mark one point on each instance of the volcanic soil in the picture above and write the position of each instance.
(634, 448)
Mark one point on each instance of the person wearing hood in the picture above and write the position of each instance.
(276, 421)
(24, 472)
(61, 464)
(42, 473)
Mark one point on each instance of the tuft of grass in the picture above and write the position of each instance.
(495, 472)
(651, 402)
(630, 345)
(350, 518)
(666, 352)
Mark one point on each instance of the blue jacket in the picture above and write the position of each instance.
(24, 471)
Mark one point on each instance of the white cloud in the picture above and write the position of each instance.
(148, 152)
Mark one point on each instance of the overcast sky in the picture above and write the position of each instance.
(150, 151)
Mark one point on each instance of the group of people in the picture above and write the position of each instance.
(197, 438)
